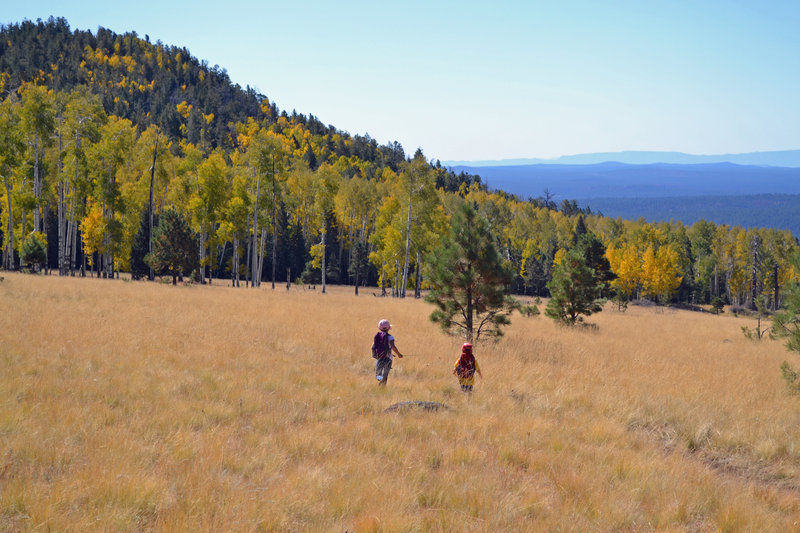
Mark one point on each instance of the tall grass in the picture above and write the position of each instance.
(137, 406)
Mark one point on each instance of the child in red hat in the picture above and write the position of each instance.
(465, 368)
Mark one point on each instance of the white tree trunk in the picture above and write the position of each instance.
(408, 249)
(37, 186)
(323, 262)
(8, 260)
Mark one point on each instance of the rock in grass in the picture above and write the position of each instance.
(427, 406)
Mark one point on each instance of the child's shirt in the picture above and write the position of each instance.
(475, 362)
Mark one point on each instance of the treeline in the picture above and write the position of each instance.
(277, 196)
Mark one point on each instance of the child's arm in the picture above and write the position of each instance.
(396, 351)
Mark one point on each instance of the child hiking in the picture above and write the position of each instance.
(465, 368)
(383, 349)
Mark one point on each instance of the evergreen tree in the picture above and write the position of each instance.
(574, 290)
(141, 247)
(33, 253)
(786, 325)
(470, 281)
(594, 252)
(174, 246)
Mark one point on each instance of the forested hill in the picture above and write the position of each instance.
(135, 79)
(154, 83)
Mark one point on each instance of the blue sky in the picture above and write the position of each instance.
(468, 80)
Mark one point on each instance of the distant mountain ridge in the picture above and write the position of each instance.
(780, 158)
(620, 180)
(726, 192)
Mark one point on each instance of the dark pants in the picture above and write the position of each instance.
(382, 367)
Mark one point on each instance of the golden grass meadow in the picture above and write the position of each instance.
(131, 406)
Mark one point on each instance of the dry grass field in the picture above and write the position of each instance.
(129, 406)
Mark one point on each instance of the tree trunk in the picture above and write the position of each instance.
(324, 268)
(235, 263)
(37, 185)
(756, 245)
(248, 273)
(261, 254)
(356, 260)
(275, 232)
(8, 260)
(62, 214)
(152, 275)
(408, 249)
(202, 252)
(418, 280)
(396, 289)
(256, 281)
(468, 315)
(72, 226)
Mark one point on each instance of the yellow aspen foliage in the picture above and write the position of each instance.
(316, 252)
(669, 271)
(93, 227)
(559, 256)
(184, 108)
(208, 118)
(626, 263)
(649, 276)
(660, 272)
(738, 277)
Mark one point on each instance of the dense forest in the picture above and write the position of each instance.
(102, 135)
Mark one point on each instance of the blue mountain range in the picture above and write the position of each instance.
(760, 189)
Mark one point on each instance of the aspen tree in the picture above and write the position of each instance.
(11, 150)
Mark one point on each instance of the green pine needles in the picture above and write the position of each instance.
(786, 325)
(470, 281)
(174, 246)
(574, 290)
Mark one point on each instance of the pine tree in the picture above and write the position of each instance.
(786, 325)
(141, 247)
(574, 290)
(470, 281)
(33, 252)
(174, 246)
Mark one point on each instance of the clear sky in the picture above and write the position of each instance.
(476, 80)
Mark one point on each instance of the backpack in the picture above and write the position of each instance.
(380, 345)
(466, 366)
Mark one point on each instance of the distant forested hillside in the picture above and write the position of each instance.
(780, 211)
